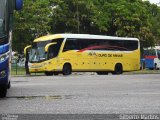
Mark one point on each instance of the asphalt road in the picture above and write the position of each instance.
(83, 94)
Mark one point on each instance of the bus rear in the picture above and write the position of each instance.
(152, 58)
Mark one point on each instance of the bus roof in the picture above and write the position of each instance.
(80, 36)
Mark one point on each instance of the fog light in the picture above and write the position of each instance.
(2, 74)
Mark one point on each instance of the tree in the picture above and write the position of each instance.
(123, 18)
(31, 22)
(129, 18)
(71, 16)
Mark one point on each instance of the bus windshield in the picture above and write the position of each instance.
(158, 53)
(2, 16)
(150, 52)
(38, 54)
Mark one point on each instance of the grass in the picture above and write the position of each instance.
(16, 70)
(20, 71)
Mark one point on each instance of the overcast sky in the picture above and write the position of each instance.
(154, 1)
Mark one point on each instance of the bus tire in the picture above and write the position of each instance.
(3, 91)
(118, 69)
(67, 69)
(48, 73)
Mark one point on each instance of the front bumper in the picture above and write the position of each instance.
(41, 67)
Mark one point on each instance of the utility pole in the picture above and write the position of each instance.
(77, 18)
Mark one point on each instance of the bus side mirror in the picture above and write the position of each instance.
(18, 4)
(26, 49)
(15, 5)
(48, 45)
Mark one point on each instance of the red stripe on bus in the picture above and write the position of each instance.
(91, 48)
(151, 57)
(102, 46)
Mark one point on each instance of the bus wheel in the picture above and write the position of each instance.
(102, 73)
(48, 73)
(118, 69)
(3, 91)
(67, 69)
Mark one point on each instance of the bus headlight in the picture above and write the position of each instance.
(36, 65)
(4, 56)
(2, 74)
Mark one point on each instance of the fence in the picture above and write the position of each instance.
(18, 65)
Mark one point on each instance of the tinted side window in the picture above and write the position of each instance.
(87, 43)
(122, 45)
(71, 44)
(59, 42)
(158, 53)
(53, 51)
(3, 40)
(150, 52)
(131, 45)
(79, 44)
(99, 44)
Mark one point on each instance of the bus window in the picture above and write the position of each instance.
(87, 44)
(2, 16)
(119, 45)
(97, 44)
(1, 25)
(124, 44)
(158, 53)
(130, 45)
(71, 44)
(150, 52)
(53, 51)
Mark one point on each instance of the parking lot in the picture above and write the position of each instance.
(83, 94)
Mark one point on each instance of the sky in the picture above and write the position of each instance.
(154, 1)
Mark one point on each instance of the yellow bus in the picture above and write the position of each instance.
(67, 53)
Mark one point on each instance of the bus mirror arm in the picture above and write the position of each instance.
(48, 45)
(26, 49)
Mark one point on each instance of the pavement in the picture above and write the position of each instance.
(84, 94)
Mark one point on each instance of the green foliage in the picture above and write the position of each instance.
(126, 18)
(31, 22)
